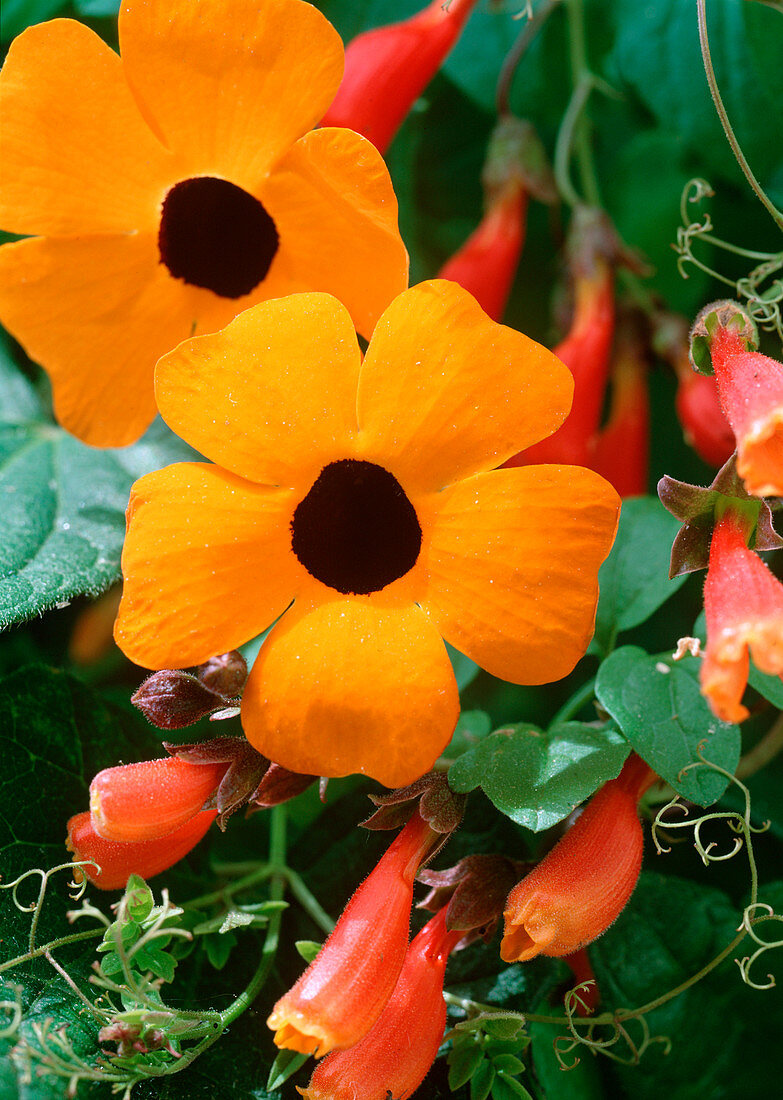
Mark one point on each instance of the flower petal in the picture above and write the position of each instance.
(232, 83)
(96, 312)
(273, 396)
(77, 154)
(335, 209)
(513, 564)
(207, 564)
(445, 392)
(352, 685)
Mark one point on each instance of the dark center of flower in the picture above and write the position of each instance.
(356, 530)
(214, 234)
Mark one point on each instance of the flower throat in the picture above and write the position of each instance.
(356, 530)
(217, 236)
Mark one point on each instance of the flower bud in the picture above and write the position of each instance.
(743, 603)
(387, 68)
(394, 1057)
(580, 887)
(343, 991)
(150, 799)
(171, 699)
(117, 861)
(225, 674)
(622, 449)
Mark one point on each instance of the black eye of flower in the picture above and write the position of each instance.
(217, 236)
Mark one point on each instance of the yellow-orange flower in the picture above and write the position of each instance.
(173, 188)
(358, 501)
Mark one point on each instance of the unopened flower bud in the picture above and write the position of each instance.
(171, 699)
(225, 674)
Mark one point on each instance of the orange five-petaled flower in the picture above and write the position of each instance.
(173, 188)
(358, 502)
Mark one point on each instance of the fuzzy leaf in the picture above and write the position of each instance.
(538, 778)
(658, 706)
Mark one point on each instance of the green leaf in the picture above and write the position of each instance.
(308, 949)
(508, 1063)
(62, 520)
(219, 947)
(508, 1088)
(659, 708)
(465, 670)
(154, 958)
(634, 579)
(139, 899)
(464, 1059)
(285, 1064)
(18, 14)
(582, 1082)
(472, 726)
(538, 778)
(482, 1080)
(771, 687)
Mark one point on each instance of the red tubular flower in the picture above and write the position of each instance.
(486, 262)
(584, 882)
(704, 425)
(585, 351)
(117, 861)
(387, 68)
(750, 387)
(582, 969)
(144, 801)
(622, 450)
(343, 991)
(393, 1058)
(743, 603)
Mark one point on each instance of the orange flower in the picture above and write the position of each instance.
(345, 988)
(582, 885)
(743, 603)
(173, 188)
(118, 860)
(357, 502)
(393, 1058)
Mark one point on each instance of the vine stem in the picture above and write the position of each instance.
(572, 706)
(762, 752)
(573, 135)
(724, 118)
(517, 52)
(75, 937)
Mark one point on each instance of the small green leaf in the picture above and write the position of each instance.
(508, 1063)
(235, 918)
(463, 1061)
(538, 778)
(472, 726)
(308, 949)
(634, 579)
(284, 1066)
(481, 1081)
(508, 1088)
(661, 711)
(218, 948)
(138, 899)
(153, 958)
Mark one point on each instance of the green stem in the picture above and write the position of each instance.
(75, 937)
(582, 77)
(262, 872)
(277, 852)
(517, 52)
(309, 902)
(724, 119)
(572, 706)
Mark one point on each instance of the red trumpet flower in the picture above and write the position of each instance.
(486, 262)
(387, 68)
(750, 387)
(622, 450)
(743, 603)
(394, 1057)
(580, 887)
(117, 860)
(136, 802)
(343, 991)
